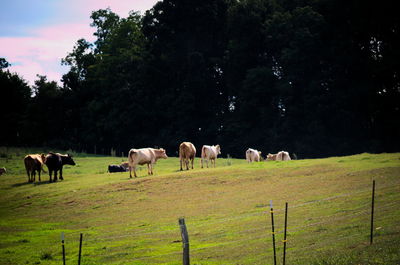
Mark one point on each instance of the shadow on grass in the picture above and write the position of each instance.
(34, 183)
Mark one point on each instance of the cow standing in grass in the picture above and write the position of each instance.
(253, 155)
(187, 152)
(2, 170)
(143, 156)
(33, 163)
(210, 152)
(55, 162)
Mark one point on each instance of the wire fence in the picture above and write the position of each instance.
(258, 236)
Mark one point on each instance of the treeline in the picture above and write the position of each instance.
(314, 77)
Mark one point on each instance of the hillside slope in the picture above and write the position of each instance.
(135, 221)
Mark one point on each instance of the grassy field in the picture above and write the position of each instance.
(135, 221)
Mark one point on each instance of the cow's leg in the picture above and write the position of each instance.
(50, 172)
(33, 176)
(29, 178)
(180, 162)
(134, 171)
(192, 162)
(130, 172)
(61, 177)
(39, 175)
(55, 175)
(207, 162)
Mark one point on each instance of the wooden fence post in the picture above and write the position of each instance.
(284, 235)
(372, 212)
(185, 241)
(63, 247)
(80, 249)
(273, 231)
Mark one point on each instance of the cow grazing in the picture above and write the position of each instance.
(253, 155)
(280, 156)
(210, 153)
(33, 163)
(143, 156)
(55, 162)
(283, 156)
(2, 170)
(187, 152)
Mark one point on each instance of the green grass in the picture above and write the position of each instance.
(135, 221)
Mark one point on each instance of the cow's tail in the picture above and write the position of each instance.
(203, 152)
(130, 156)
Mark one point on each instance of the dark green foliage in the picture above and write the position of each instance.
(316, 78)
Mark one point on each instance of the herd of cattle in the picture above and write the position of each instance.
(144, 156)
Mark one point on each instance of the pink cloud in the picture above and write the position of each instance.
(42, 50)
(41, 53)
(121, 7)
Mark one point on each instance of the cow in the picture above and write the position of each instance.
(187, 152)
(143, 156)
(116, 168)
(210, 153)
(253, 155)
(2, 170)
(33, 163)
(283, 156)
(280, 156)
(55, 162)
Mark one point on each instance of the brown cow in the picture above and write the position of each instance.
(187, 152)
(33, 163)
(143, 156)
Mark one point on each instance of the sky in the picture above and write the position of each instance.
(36, 34)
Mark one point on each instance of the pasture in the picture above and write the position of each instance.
(226, 209)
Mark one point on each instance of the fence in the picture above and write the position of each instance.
(254, 239)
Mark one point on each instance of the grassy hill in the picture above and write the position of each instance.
(135, 221)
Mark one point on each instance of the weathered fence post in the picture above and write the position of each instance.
(284, 236)
(372, 212)
(185, 241)
(273, 231)
(80, 249)
(63, 247)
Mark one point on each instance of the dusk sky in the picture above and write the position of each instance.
(36, 34)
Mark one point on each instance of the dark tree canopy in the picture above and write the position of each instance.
(316, 78)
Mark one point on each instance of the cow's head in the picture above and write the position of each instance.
(43, 157)
(218, 149)
(162, 153)
(68, 160)
(270, 156)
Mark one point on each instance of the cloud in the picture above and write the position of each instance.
(42, 51)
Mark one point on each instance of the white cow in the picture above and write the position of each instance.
(283, 156)
(143, 156)
(253, 155)
(280, 156)
(210, 153)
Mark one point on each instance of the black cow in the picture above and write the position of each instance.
(56, 161)
(116, 168)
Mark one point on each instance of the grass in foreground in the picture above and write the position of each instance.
(135, 221)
